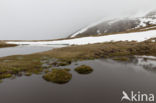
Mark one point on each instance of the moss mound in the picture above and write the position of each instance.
(84, 69)
(121, 58)
(7, 75)
(59, 76)
(28, 74)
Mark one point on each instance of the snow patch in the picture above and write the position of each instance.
(145, 21)
(137, 36)
(149, 62)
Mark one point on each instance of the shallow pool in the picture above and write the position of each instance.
(104, 85)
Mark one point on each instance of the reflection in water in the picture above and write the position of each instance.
(147, 62)
(104, 85)
(26, 49)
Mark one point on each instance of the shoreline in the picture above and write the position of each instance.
(136, 36)
(35, 63)
(5, 45)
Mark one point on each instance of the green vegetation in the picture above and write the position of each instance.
(18, 64)
(35, 63)
(58, 76)
(84, 69)
(3, 44)
(62, 62)
(28, 74)
(103, 50)
(1, 81)
(122, 58)
(46, 71)
(6, 75)
(67, 69)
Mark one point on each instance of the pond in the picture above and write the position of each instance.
(104, 85)
(26, 49)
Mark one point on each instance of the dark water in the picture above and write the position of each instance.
(19, 50)
(104, 85)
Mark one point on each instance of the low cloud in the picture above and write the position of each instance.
(50, 19)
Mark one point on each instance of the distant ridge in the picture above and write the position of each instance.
(118, 25)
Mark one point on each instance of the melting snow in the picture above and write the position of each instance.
(145, 21)
(137, 36)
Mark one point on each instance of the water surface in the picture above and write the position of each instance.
(104, 85)
(25, 49)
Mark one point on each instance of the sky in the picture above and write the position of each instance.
(52, 19)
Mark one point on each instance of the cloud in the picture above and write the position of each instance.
(49, 19)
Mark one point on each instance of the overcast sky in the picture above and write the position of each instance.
(49, 19)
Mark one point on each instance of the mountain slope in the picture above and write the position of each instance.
(119, 25)
(135, 36)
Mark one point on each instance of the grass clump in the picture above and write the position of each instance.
(67, 69)
(121, 58)
(84, 69)
(59, 76)
(6, 75)
(1, 81)
(62, 62)
(28, 74)
(64, 56)
(15, 66)
(16, 70)
(46, 71)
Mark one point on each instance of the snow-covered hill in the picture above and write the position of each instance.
(118, 25)
(134, 29)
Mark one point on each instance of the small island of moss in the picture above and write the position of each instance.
(59, 76)
(28, 74)
(84, 69)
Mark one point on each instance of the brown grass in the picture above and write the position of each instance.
(83, 69)
(64, 56)
(103, 50)
(59, 76)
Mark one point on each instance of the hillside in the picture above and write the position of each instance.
(119, 25)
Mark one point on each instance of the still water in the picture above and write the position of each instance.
(104, 85)
(25, 49)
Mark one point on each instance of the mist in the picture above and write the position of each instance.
(52, 19)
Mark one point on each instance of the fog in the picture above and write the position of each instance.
(51, 19)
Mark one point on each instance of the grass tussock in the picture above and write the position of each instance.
(84, 69)
(14, 65)
(59, 76)
(5, 75)
(28, 74)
